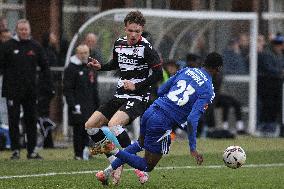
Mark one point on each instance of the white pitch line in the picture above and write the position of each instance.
(157, 168)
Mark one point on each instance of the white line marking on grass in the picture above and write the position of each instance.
(157, 168)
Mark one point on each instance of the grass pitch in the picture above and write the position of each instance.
(264, 168)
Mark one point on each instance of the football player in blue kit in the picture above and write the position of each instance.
(182, 100)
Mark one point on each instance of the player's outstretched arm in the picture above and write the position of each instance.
(192, 120)
(198, 157)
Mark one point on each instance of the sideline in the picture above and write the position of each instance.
(157, 168)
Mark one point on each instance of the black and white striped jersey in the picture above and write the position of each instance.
(139, 63)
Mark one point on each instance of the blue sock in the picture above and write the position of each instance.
(110, 136)
(132, 149)
(134, 161)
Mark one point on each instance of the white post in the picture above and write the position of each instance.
(65, 118)
(253, 77)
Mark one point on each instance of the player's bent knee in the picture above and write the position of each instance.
(90, 124)
(119, 118)
(93, 124)
(96, 120)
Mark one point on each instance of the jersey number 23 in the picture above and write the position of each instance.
(184, 89)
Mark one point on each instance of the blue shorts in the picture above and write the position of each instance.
(156, 128)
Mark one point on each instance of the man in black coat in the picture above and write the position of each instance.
(80, 90)
(19, 59)
(270, 81)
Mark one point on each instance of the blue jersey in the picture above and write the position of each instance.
(185, 96)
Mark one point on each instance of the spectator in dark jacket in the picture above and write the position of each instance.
(19, 58)
(47, 92)
(234, 62)
(50, 45)
(5, 35)
(3, 23)
(270, 80)
(80, 90)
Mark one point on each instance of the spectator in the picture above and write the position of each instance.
(201, 47)
(244, 46)
(5, 35)
(234, 62)
(80, 89)
(50, 45)
(19, 59)
(225, 102)
(3, 23)
(91, 41)
(170, 68)
(63, 46)
(261, 44)
(47, 92)
(270, 79)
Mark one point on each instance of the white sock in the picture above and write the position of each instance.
(111, 158)
(108, 170)
(226, 125)
(114, 152)
(116, 130)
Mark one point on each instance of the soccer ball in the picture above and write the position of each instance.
(234, 157)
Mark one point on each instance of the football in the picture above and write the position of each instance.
(234, 157)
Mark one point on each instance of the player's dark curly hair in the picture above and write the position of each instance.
(213, 60)
(135, 17)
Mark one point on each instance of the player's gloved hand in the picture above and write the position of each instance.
(93, 63)
(198, 157)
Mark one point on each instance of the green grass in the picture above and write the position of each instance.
(73, 174)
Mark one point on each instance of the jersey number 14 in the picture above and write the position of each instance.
(184, 89)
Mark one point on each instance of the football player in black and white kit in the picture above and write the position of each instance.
(140, 67)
